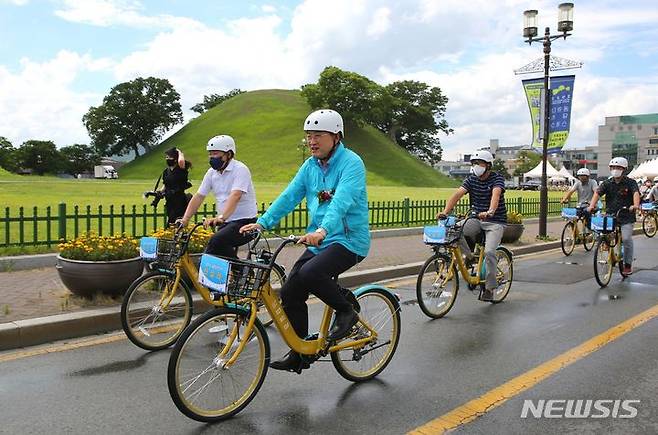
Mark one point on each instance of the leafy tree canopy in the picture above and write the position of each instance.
(210, 101)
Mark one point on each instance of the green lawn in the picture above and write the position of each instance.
(33, 191)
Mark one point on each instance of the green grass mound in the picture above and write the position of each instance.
(267, 129)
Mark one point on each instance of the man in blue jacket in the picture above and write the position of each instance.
(333, 181)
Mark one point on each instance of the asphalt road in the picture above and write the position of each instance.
(554, 306)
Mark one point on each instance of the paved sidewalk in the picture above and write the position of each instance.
(35, 293)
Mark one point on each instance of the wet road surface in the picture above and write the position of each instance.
(554, 306)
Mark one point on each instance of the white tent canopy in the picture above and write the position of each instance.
(536, 171)
(648, 169)
(565, 173)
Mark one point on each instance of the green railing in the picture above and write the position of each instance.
(32, 227)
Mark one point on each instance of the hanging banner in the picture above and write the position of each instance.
(560, 116)
(533, 93)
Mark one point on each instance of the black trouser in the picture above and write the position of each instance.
(175, 206)
(315, 274)
(227, 239)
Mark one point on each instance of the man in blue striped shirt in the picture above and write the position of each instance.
(486, 190)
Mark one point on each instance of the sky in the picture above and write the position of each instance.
(60, 57)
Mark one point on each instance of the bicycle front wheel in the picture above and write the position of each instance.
(200, 382)
(504, 274)
(588, 237)
(153, 312)
(437, 286)
(603, 262)
(568, 239)
(277, 279)
(381, 311)
(649, 225)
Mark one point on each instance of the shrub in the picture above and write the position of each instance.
(514, 217)
(92, 247)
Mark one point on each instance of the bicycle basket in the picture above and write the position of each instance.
(602, 223)
(569, 213)
(167, 253)
(445, 233)
(232, 277)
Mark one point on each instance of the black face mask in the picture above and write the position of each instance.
(170, 162)
(217, 163)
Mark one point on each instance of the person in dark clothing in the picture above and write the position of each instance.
(175, 181)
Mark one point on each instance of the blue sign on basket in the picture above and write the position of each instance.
(213, 272)
(647, 206)
(603, 223)
(569, 213)
(434, 234)
(148, 247)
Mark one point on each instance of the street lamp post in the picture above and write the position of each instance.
(564, 25)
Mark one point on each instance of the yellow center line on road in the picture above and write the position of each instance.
(478, 407)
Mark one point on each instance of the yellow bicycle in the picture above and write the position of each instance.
(576, 230)
(438, 280)
(219, 363)
(609, 250)
(159, 305)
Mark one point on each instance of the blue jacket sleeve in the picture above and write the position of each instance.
(287, 201)
(351, 184)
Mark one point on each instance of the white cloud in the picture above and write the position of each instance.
(268, 9)
(16, 2)
(106, 13)
(38, 102)
(381, 22)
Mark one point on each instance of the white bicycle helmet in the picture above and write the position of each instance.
(325, 120)
(582, 171)
(482, 155)
(619, 161)
(655, 179)
(222, 142)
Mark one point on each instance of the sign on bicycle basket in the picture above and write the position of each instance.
(148, 247)
(603, 223)
(437, 233)
(569, 213)
(647, 206)
(213, 272)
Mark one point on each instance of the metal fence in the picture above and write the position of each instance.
(34, 226)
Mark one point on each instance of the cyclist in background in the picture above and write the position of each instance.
(230, 180)
(486, 190)
(620, 191)
(585, 188)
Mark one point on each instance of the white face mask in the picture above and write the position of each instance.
(478, 170)
(616, 173)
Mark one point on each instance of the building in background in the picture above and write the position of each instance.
(634, 137)
(576, 158)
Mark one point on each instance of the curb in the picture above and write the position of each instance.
(30, 332)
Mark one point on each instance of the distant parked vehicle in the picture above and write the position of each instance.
(105, 171)
(530, 185)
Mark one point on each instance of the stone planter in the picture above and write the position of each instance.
(87, 278)
(512, 233)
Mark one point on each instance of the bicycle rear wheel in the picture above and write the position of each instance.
(277, 279)
(381, 311)
(649, 225)
(200, 384)
(437, 286)
(568, 239)
(504, 274)
(603, 261)
(153, 313)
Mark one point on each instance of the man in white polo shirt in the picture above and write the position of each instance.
(230, 181)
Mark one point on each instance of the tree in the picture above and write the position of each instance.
(499, 166)
(526, 160)
(8, 155)
(40, 156)
(78, 158)
(133, 114)
(411, 113)
(350, 94)
(414, 118)
(212, 100)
